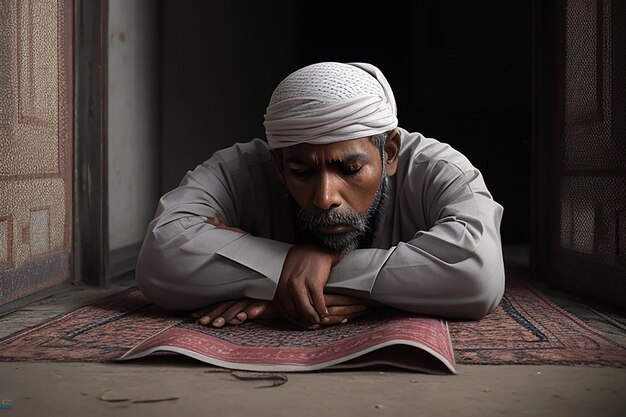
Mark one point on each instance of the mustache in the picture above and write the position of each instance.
(361, 224)
(333, 217)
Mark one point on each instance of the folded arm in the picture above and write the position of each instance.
(453, 269)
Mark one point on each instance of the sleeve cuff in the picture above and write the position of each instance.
(261, 255)
(358, 270)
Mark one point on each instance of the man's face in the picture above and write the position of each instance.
(338, 187)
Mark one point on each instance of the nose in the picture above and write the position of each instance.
(327, 194)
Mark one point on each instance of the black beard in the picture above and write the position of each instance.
(363, 225)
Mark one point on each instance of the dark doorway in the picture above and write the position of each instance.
(460, 71)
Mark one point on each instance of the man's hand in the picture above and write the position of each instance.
(236, 312)
(341, 308)
(300, 291)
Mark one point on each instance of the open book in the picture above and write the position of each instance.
(381, 338)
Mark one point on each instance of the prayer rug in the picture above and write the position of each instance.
(526, 328)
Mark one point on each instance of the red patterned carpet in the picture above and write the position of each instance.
(526, 328)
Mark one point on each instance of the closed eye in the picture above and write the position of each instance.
(350, 169)
(300, 172)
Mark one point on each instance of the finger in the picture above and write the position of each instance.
(344, 318)
(345, 310)
(317, 297)
(236, 321)
(231, 312)
(255, 310)
(215, 311)
(303, 304)
(206, 311)
(240, 318)
(338, 313)
(235, 309)
(218, 322)
(210, 308)
(342, 300)
(261, 309)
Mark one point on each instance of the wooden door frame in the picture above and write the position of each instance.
(91, 239)
(545, 67)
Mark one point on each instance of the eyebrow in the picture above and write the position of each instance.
(351, 157)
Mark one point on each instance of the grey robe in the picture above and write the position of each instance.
(436, 249)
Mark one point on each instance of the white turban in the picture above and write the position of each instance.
(330, 102)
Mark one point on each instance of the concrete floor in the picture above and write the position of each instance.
(184, 387)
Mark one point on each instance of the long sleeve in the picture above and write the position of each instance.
(186, 263)
(452, 265)
(436, 250)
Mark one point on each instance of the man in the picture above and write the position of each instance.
(338, 211)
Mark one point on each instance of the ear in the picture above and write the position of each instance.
(392, 152)
(277, 156)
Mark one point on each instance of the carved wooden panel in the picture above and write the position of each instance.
(35, 145)
(588, 252)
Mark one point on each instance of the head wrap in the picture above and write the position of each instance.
(330, 102)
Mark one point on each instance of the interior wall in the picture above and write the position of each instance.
(133, 128)
(221, 61)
